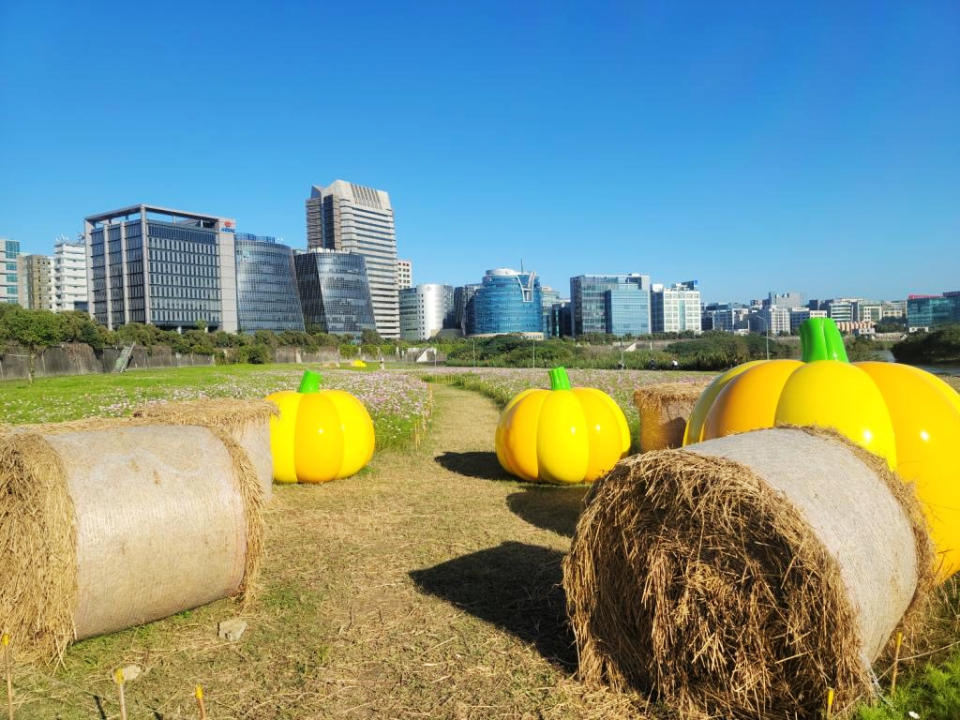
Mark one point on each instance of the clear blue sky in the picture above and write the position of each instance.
(753, 146)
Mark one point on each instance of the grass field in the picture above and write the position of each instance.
(424, 587)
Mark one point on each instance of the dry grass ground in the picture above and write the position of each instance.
(425, 587)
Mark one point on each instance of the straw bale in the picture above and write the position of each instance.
(119, 523)
(247, 421)
(744, 576)
(664, 409)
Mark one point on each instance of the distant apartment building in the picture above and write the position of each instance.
(675, 308)
(267, 297)
(926, 312)
(799, 315)
(404, 274)
(352, 218)
(614, 304)
(334, 292)
(771, 320)
(33, 282)
(725, 317)
(9, 251)
(508, 301)
(171, 268)
(425, 310)
(68, 270)
(787, 300)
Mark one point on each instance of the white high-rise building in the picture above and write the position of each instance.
(356, 219)
(425, 310)
(68, 271)
(404, 274)
(675, 308)
(9, 284)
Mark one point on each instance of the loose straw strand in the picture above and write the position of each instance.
(896, 662)
(118, 679)
(8, 663)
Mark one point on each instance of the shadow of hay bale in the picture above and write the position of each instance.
(516, 587)
(549, 508)
(483, 465)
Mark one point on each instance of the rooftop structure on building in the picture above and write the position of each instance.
(170, 268)
(352, 218)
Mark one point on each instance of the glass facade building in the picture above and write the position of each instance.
(166, 267)
(930, 311)
(463, 315)
(9, 251)
(267, 297)
(507, 301)
(613, 304)
(677, 308)
(334, 292)
(425, 310)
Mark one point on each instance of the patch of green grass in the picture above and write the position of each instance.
(933, 694)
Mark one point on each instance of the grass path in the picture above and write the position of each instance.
(426, 586)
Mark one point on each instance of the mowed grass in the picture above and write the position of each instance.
(425, 587)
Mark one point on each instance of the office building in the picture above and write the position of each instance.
(787, 300)
(799, 315)
(508, 301)
(425, 310)
(334, 292)
(463, 315)
(404, 274)
(559, 321)
(170, 268)
(840, 310)
(675, 308)
(867, 311)
(772, 320)
(68, 271)
(33, 282)
(549, 297)
(926, 312)
(893, 309)
(346, 217)
(267, 297)
(592, 303)
(9, 286)
(725, 317)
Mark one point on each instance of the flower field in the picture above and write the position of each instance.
(400, 404)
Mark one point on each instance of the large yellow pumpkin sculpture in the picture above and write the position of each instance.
(562, 435)
(319, 435)
(905, 415)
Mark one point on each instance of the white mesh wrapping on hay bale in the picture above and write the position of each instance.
(745, 576)
(246, 421)
(104, 528)
(664, 409)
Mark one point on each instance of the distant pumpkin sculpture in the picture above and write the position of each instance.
(318, 435)
(563, 435)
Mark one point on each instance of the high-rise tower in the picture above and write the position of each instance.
(356, 219)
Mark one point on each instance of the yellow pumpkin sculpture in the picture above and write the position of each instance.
(563, 435)
(909, 417)
(319, 435)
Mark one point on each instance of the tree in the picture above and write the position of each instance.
(34, 330)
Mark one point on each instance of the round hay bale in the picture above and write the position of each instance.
(103, 528)
(246, 421)
(745, 576)
(664, 409)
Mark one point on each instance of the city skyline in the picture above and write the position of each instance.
(752, 147)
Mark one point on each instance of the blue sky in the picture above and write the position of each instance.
(759, 146)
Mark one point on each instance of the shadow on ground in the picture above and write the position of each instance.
(483, 465)
(514, 586)
(550, 508)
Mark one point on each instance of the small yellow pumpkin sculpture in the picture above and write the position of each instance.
(909, 417)
(319, 435)
(563, 435)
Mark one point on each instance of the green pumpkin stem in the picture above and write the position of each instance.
(820, 340)
(310, 382)
(559, 379)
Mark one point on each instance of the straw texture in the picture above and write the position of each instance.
(247, 421)
(744, 576)
(120, 523)
(664, 409)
